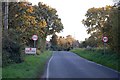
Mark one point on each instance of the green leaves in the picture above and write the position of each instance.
(28, 20)
(102, 22)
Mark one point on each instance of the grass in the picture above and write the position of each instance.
(109, 59)
(0, 72)
(32, 67)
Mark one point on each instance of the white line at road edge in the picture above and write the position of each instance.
(47, 75)
(103, 66)
(98, 64)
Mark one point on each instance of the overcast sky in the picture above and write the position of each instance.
(72, 12)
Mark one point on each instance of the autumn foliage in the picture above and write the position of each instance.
(62, 43)
(25, 20)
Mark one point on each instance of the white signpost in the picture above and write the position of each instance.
(30, 50)
(105, 40)
(34, 37)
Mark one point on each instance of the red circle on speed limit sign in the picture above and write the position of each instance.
(34, 37)
(105, 39)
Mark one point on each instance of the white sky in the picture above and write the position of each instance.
(72, 12)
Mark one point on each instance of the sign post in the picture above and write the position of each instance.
(32, 50)
(105, 40)
(34, 43)
(34, 38)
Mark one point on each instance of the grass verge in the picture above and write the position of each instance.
(0, 72)
(32, 67)
(109, 59)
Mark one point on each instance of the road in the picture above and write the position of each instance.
(64, 64)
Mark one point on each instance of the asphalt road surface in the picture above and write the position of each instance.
(64, 64)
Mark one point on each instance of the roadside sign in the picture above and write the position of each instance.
(34, 37)
(105, 39)
(30, 50)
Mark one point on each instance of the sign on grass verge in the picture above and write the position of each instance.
(30, 50)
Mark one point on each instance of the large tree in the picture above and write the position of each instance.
(49, 15)
(28, 20)
(103, 22)
(24, 21)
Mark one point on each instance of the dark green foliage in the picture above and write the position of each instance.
(54, 42)
(10, 50)
(101, 22)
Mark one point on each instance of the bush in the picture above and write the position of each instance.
(38, 52)
(11, 50)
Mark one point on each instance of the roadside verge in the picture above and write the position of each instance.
(108, 60)
(32, 67)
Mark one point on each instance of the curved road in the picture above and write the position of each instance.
(64, 64)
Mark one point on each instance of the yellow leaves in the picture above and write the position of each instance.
(16, 15)
(42, 24)
(108, 7)
(30, 9)
(33, 22)
(70, 39)
(92, 10)
(28, 18)
(22, 4)
(56, 21)
(50, 8)
(61, 41)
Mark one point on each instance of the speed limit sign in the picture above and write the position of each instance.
(34, 37)
(105, 39)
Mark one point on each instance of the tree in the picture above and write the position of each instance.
(28, 20)
(54, 42)
(70, 40)
(62, 43)
(115, 18)
(49, 15)
(99, 23)
(25, 21)
(22, 21)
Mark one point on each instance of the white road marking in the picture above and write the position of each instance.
(99, 64)
(104, 66)
(47, 75)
